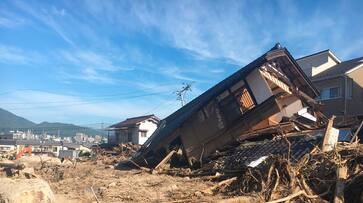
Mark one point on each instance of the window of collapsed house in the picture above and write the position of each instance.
(244, 99)
(242, 95)
(235, 101)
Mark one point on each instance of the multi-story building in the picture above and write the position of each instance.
(340, 83)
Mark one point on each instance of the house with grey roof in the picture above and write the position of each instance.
(135, 130)
(340, 83)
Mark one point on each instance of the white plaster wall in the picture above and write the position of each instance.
(150, 127)
(259, 87)
(316, 64)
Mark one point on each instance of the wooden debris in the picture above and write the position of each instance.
(341, 173)
(327, 142)
(355, 136)
(166, 159)
(220, 184)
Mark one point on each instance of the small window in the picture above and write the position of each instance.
(245, 100)
(334, 92)
(329, 93)
(143, 133)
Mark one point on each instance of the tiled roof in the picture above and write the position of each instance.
(312, 54)
(300, 145)
(133, 121)
(340, 68)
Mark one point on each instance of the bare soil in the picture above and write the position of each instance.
(74, 183)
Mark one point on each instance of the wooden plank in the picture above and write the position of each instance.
(166, 159)
(339, 187)
(326, 146)
(276, 81)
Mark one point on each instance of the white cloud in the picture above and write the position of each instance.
(39, 106)
(15, 55)
(48, 17)
(92, 67)
(176, 73)
(10, 20)
(202, 28)
(87, 74)
(207, 31)
(92, 60)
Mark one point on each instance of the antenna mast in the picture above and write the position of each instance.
(181, 93)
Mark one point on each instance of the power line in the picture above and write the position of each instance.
(93, 101)
(97, 97)
(158, 106)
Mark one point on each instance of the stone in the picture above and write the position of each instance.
(25, 190)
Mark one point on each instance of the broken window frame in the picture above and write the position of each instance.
(241, 93)
(238, 92)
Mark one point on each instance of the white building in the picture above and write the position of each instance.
(135, 130)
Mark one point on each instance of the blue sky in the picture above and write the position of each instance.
(89, 62)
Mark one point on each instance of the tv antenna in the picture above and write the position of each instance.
(182, 92)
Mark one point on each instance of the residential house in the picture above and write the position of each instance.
(340, 83)
(53, 148)
(135, 130)
(38, 147)
(261, 96)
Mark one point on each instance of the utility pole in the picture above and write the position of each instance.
(181, 93)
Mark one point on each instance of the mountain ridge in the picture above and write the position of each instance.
(10, 121)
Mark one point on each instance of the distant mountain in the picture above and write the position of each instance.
(65, 129)
(10, 121)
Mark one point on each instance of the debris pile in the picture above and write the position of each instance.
(282, 169)
(312, 178)
(112, 155)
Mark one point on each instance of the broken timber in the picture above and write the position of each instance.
(166, 159)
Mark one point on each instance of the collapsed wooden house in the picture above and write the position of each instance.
(270, 94)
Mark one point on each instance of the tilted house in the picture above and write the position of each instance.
(135, 130)
(262, 94)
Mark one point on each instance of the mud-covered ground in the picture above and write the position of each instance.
(75, 182)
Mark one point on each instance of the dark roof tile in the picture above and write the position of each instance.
(133, 121)
(340, 68)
